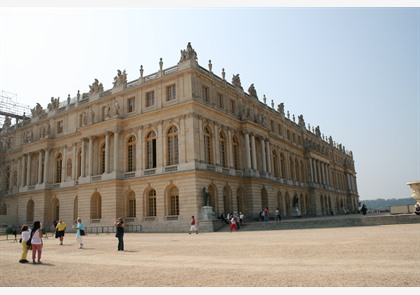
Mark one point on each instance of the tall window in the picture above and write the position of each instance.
(96, 206)
(131, 204)
(131, 154)
(151, 203)
(232, 106)
(275, 164)
(150, 98)
(205, 93)
(222, 149)
(130, 104)
(151, 150)
(173, 146)
(235, 153)
(173, 201)
(58, 167)
(60, 127)
(207, 146)
(102, 159)
(170, 92)
(220, 100)
(79, 164)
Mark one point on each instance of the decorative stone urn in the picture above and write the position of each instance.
(415, 190)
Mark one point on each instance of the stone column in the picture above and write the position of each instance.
(90, 156)
(107, 152)
(83, 160)
(216, 145)
(254, 153)
(74, 162)
(28, 170)
(46, 160)
(23, 172)
(64, 165)
(116, 132)
(311, 176)
(263, 158)
(160, 150)
(268, 157)
(201, 139)
(247, 151)
(39, 167)
(230, 149)
(19, 171)
(139, 148)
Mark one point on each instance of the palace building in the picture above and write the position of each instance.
(150, 150)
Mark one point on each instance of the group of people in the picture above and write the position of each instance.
(32, 239)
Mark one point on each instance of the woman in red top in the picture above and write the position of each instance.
(193, 225)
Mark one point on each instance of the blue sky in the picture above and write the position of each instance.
(354, 72)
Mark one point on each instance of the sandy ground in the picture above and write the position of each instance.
(369, 256)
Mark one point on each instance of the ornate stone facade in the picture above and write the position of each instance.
(146, 152)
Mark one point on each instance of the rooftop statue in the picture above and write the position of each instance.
(252, 91)
(301, 121)
(280, 108)
(55, 102)
(96, 87)
(188, 54)
(37, 110)
(120, 78)
(236, 81)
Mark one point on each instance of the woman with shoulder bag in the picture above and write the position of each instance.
(80, 232)
(36, 242)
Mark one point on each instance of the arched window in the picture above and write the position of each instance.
(55, 209)
(102, 161)
(151, 150)
(131, 154)
(96, 206)
(131, 205)
(222, 149)
(227, 200)
(172, 140)
(58, 167)
(151, 203)
(235, 153)
(173, 201)
(282, 166)
(30, 208)
(208, 158)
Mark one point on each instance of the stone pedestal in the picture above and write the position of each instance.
(206, 213)
(296, 212)
(415, 190)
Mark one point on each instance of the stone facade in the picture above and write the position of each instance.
(144, 150)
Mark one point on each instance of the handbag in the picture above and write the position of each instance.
(82, 232)
(28, 242)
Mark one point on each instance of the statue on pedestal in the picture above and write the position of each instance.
(206, 196)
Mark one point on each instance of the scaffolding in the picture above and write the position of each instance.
(9, 107)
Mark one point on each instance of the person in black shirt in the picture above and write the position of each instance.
(119, 224)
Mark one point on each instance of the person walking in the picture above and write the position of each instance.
(193, 225)
(233, 224)
(14, 232)
(266, 217)
(278, 217)
(80, 232)
(26, 235)
(119, 224)
(60, 228)
(36, 242)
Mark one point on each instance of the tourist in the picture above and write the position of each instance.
(193, 225)
(278, 217)
(266, 216)
(26, 235)
(59, 230)
(14, 232)
(364, 209)
(417, 209)
(233, 224)
(119, 224)
(241, 218)
(80, 232)
(222, 216)
(36, 242)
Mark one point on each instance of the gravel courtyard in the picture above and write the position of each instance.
(367, 256)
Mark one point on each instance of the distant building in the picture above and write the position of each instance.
(151, 149)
